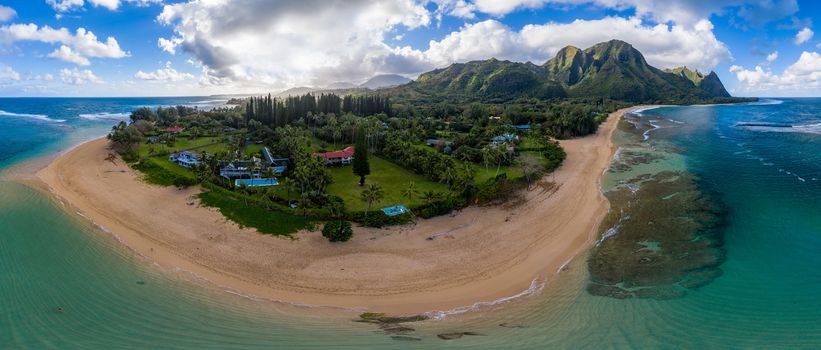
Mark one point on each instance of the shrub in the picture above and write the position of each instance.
(337, 231)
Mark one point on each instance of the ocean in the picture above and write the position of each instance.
(748, 278)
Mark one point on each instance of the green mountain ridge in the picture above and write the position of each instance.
(613, 70)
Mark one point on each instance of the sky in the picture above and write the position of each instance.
(765, 48)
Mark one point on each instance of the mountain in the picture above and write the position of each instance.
(613, 69)
(385, 80)
(490, 79)
(296, 91)
(709, 83)
(341, 85)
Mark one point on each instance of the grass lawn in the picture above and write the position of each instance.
(391, 177)
(254, 149)
(180, 144)
(483, 175)
(265, 221)
(161, 171)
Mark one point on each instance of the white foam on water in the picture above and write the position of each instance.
(41, 117)
(535, 286)
(105, 116)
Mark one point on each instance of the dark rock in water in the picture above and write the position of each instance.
(405, 338)
(140, 282)
(455, 335)
(512, 325)
(661, 240)
(396, 329)
(381, 318)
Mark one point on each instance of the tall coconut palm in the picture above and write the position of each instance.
(410, 191)
(372, 194)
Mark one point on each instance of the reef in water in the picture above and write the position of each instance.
(660, 239)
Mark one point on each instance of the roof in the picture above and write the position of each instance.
(345, 153)
(175, 129)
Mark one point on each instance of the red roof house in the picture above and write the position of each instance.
(342, 157)
(175, 129)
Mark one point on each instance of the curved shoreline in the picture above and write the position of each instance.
(485, 254)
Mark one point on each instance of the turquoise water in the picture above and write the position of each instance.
(766, 176)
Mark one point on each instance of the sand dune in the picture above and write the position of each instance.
(479, 254)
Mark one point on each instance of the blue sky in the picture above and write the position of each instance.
(203, 47)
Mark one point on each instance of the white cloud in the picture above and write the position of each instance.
(684, 12)
(75, 48)
(772, 57)
(283, 44)
(799, 78)
(65, 53)
(70, 5)
(8, 73)
(44, 77)
(169, 45)
(166, 74)
(662, 45)
(65, 5)
(6, 13)
(78, 77)
(803, 36)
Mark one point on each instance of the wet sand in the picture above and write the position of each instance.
(481, 254)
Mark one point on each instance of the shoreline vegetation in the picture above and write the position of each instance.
(435, 264)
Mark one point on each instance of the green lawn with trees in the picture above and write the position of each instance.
(392, 178)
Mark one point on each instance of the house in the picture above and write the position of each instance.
(240, 168)
(279, 165)
(175, 130)
(152, 139)
(504, 138)
(522, 127)
(439, 144)
(186, 159)
(342, 157)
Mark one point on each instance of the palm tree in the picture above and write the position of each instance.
(289, 185)
(487, 156)
(500, 156)
(449, 175)
(373, 193)
(430, 196)
(410, 191)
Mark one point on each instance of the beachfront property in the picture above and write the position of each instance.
(341, 157)
(175, 130)
(186, 158)
(505, 138)
(250, 168)
(279, 165)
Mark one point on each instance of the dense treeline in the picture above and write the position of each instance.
(275, 112)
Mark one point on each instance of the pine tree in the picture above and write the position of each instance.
(361, 167)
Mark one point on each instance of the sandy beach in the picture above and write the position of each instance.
(480, 254)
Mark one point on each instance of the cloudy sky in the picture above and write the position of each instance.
(202, 47)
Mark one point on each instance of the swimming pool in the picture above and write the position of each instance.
(256, 182)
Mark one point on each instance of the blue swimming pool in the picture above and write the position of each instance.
(256, 182)
(395, 210)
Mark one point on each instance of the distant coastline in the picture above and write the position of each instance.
(396, 270)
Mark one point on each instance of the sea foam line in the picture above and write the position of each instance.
(105, 116)
(535, 286)
(42, 117)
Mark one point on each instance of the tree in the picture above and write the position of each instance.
(487, 156)
(289, 185)
(337, 231)
(373, 193)
(411, 191)
(430, 196)
(124, 137)
(361, 167)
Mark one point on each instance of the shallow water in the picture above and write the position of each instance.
(766, 297)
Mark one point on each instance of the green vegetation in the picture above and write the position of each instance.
(469, 133)
(393, 179)
(361, 167)
(337, 231)
(272, 222)
(160, 171)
